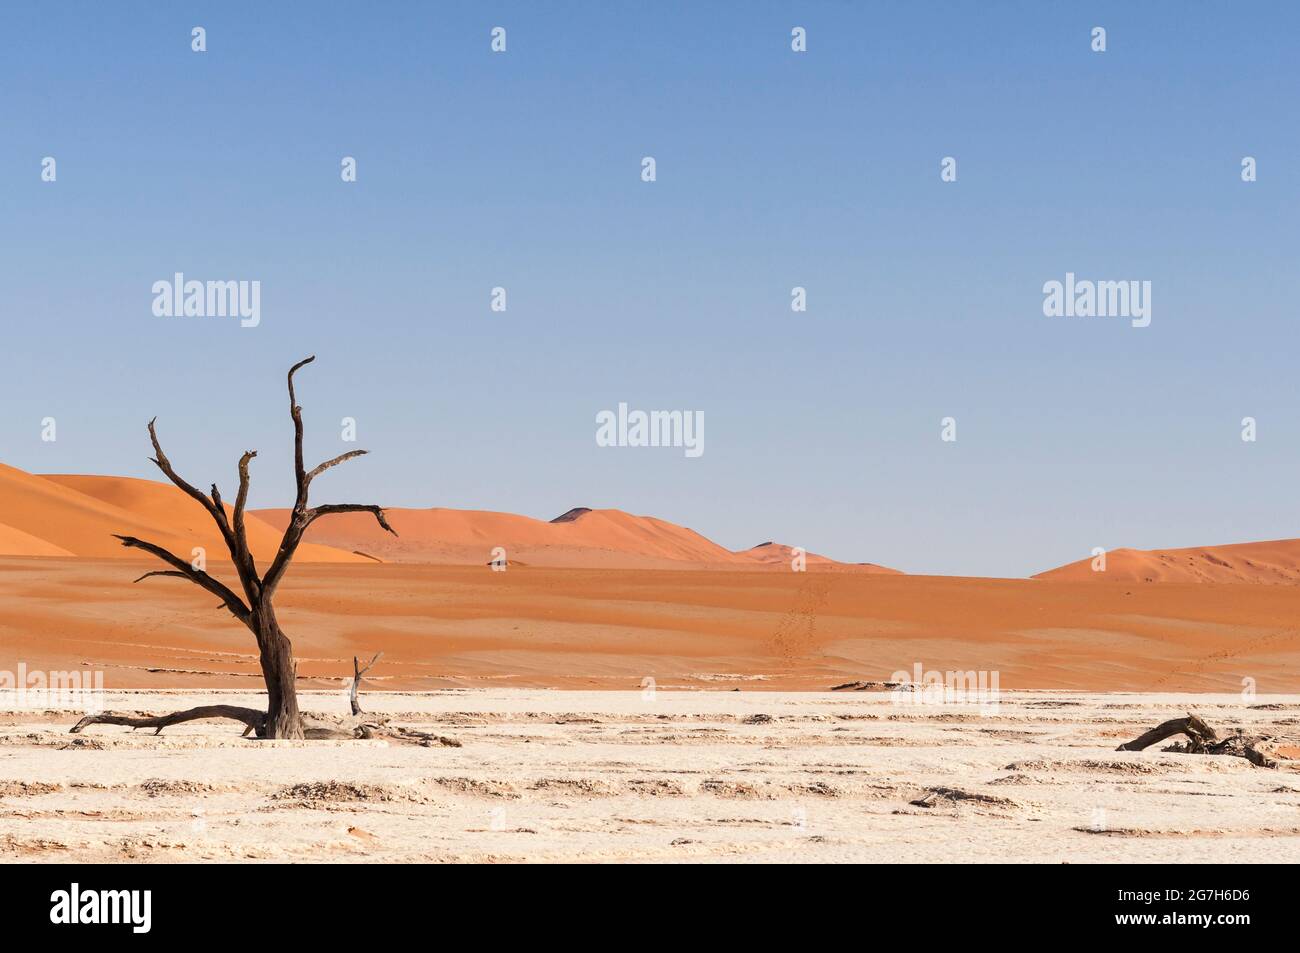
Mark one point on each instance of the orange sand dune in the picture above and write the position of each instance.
(580, 538)
(14, 542)
(594, 538)
(65, 514)
(443, 626)
(1275, 562)
(78, 515)
(779, 556)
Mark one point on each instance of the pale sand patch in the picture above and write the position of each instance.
(549, 775)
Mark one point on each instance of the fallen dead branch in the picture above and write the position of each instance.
(940, 795)
(315, 725)
(1199, 733)
(1202, 739)
(249, 716)
(409, 735)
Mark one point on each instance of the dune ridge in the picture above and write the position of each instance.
(1272, 562)
(780, 556)
(62, 515)
(79, 514)
(65, 515)
(580, 538)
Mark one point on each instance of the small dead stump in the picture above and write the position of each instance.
(1202, 739)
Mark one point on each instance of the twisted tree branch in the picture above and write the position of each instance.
(216, 509)
(302, 516)
(300, 472)
(196, 576)
(341, 458)
(159, 459)
(161, 572)
(333, 509)
(242, 556)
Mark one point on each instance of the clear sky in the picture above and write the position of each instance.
(774, 169)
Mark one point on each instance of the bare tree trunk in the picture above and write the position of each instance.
(281, 675)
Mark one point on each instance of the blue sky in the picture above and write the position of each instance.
(775, 169)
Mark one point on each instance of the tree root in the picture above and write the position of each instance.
(316, 726)
(1202, 739)
(342, 727)
(422, 738)
(249, 716)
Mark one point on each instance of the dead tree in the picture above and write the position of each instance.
(357, 672)
(1199, 734)
(254, 608)
(1202, 739)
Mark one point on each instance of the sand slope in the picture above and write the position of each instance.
(1274, 562)
(443, 626)
(14, 542)
(78, 515)
(607, 538)
(580, 538)
(780, 556)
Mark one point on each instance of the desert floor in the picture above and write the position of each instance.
(448, 626)
(548, 775)
(739, 753)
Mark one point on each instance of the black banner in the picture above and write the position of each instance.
(212, 902)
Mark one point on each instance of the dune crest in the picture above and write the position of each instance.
(780, 556)
(62, 515)
(79, 514)
(1273, 562)
(581, 538)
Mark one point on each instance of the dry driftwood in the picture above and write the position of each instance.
(252, 604)
(1202, 739)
